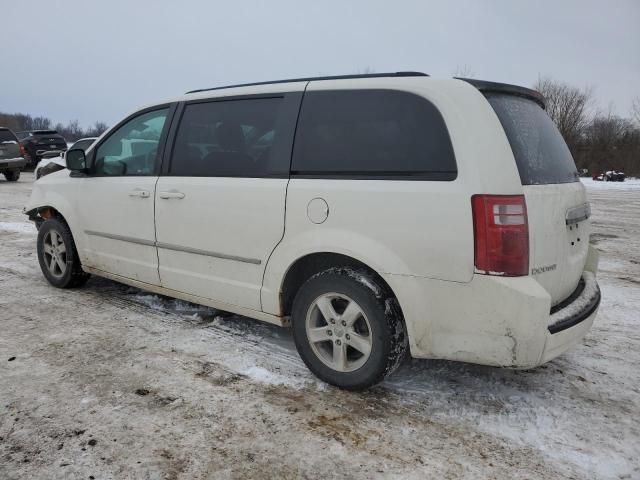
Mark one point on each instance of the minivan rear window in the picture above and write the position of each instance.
(7, 136)
(45, 132)
(540, 151)
(373, 134)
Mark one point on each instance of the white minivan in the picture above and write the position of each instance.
(375, 214)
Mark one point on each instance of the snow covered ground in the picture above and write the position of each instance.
(628, 184)
(112, 382)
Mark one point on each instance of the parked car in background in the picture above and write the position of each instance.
(11, 159)
(376, 214)
(610, 176)
(36, 143)
(52, 162)
(615, 176)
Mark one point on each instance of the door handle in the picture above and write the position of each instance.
(139, 193)
(171, 194)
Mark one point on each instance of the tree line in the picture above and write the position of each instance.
(71, 131)
(599, 141)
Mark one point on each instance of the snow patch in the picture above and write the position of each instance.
(151, 301)
(166, 304)
(591, 290)
(628, 184)
(263, 375)
(18, 227)
(370, 285)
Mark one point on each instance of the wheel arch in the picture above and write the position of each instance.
(50, 198)
(45, 212)
(73, 275)
(308, 265)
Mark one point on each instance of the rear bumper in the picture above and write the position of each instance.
(578, 307)
(50, 153)
(12, 163)
(571, 322)
(497, 321)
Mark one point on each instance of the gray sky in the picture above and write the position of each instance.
(98, 60)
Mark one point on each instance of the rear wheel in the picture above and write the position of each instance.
(347, 329)
(57, 255)
(12, 176)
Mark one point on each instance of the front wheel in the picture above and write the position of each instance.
(12, 176)
(348, 329)
(57, 255)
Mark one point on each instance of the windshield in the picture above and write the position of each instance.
(538, 147)
(82, 144)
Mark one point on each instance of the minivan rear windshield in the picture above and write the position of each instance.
(7, 136)
(540, 151)
(45, 132)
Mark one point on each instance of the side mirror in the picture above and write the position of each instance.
(76, 160)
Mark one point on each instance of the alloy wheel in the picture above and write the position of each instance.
(339, 332)
(55, 253)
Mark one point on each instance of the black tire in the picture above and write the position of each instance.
(12, 175)
(73, 275)
(388, 338)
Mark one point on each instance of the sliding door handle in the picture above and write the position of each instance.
(139, 193)
(171, 194)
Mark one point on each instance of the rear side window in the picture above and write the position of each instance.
(540, 151)
(372, 133)
(7, 136)
(231, 138)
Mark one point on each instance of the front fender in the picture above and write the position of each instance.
(53, 191)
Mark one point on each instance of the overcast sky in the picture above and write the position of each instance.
(98, 60)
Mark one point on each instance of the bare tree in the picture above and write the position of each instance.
(612, 143)
(635, 110)
(568, 106)
(10, 121)
(96, 130)
(25, 121)
(41, 123)
(464, 71)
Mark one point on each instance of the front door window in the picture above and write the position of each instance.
(133, 148)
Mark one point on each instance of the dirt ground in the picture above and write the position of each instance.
(112, 382)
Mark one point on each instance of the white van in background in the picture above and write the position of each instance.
(374, 213)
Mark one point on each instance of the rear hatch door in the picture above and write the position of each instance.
(556, 200)
(49, 140)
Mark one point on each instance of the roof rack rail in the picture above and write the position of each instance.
(308, 79)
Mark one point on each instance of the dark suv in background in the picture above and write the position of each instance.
(37, 143)
(11, 160)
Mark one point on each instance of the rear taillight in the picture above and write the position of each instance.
(23, 151)
(501, 234)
